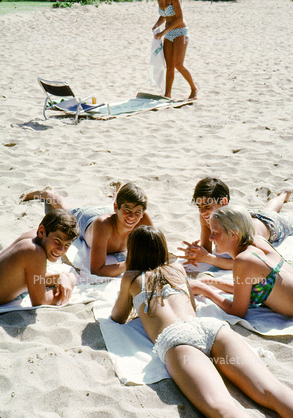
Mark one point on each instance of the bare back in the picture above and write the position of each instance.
(15, 261)
(281, 297)
(164, 312)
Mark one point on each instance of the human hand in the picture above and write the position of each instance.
(159, 35)
(194, 253)
(66, 283)
(197, 287)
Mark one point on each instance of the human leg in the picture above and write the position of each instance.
(52, 199)
(268, 224)
(234, 358)
(261, 229)
(170, 69)
(273, 226)
(277, 202)
(180, 46)
(85, 216)
(198, 379)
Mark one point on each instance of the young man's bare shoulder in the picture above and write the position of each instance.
(26, 253)
(30, 246)
(104, 221)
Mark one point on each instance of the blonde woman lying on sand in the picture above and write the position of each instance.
(261, 275)
(161, 295)
(176, 35)
(211, 194)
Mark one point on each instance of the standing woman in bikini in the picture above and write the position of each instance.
(260, 273)
(176, 34)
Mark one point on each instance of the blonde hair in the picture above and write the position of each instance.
(234, 218)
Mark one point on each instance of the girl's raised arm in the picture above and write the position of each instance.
(241, 291)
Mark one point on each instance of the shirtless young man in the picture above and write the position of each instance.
(105, 232)
(23, 264)
(209, 195)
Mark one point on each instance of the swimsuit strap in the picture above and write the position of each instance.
(143, 285)
(276, 269)
(143, 291)
(268, 242)
(143, 281)
(178, 272)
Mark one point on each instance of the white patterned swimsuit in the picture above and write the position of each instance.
(174, 33)
(166, 291)
(197, 332)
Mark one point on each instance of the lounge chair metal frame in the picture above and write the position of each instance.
(62, 89)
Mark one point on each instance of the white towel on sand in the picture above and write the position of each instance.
(128, 344)
(131, 350)
(89, 286)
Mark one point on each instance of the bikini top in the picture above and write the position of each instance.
(165, 292)
(169, 11)
(261, 291)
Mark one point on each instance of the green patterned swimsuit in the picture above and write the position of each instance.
(261, 291)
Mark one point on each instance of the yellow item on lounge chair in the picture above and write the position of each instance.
(72, 106)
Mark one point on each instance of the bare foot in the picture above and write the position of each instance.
(112, 189)
(47, 195)
(37, 195)
(193, 94)
(168, 95)
(118, 186)
(287, 194)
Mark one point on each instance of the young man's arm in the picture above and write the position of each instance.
(37, 280)
(101, 233)
(205, 234)
(35, 271)
(64, 283)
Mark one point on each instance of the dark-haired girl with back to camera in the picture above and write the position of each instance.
(160, 292)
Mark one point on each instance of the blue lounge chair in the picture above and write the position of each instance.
(61, 89)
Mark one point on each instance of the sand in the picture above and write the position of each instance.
(54, 362)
